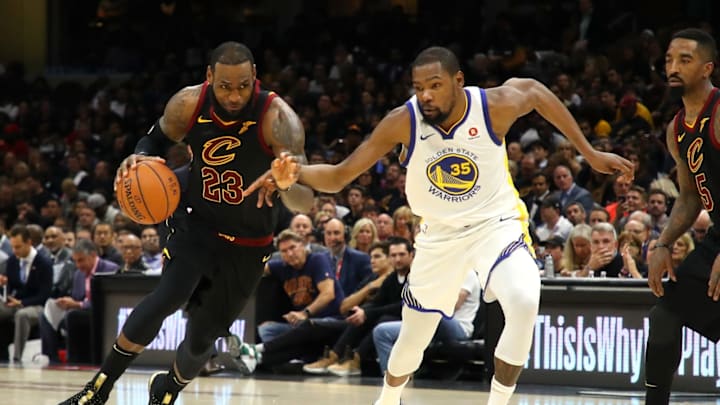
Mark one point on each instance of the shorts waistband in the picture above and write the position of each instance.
(250, 242)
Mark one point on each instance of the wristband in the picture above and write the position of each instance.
(661, 245)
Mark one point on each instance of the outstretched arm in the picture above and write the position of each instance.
(286, 136)
(393, 129)
(517, 97)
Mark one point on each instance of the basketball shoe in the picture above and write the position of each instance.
(89, 394)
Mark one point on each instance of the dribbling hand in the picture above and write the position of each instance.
(659, 263)
(130, 162)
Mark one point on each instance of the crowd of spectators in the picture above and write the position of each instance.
(60, 144)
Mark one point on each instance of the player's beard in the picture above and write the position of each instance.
(675, 93)
(224, 114)
(436, 120)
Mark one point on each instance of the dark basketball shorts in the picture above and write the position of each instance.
(230, 274)
(688, 297)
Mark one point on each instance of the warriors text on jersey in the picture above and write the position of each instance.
(461, 174)
(700, 150)
(227, 157)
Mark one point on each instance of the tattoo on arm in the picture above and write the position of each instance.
(178, 112)
(288, 132)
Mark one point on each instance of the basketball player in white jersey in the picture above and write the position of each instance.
(459, 184)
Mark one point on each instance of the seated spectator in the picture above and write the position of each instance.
(151, 252)
(103, 236)
(403, 223)
(553, 248)
(533, 199)
(630, 248)
(355, 343)
(553, 223)
(681, 248)
(307, 278)
(569, 192)
(604, 254)
(350, 265)
(598, 214)
(356, 197)
(700, 227)
(384, 225)
(363, 235)
(575, 213)
(459, 327)
(301, 225)
(576, 252)
(29, 283)
(72, 313)
(657, 208)
(132, 255)
(313, 335)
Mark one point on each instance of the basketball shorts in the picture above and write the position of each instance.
(230, 273)
(688, 295)
(444, 255)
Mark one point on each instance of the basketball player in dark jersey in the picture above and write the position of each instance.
(220, 234)
(690, 296)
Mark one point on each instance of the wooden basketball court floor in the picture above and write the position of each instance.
(43, 386)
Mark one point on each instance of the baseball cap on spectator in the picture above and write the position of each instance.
(555, 241)
(96, 200)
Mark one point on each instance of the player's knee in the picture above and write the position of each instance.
(665, 326)
(523, 308)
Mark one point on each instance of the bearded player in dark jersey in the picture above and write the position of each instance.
(220, 234)
(690, 296)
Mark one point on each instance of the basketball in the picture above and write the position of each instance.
(149, 193)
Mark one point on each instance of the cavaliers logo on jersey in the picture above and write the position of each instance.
(453, 173)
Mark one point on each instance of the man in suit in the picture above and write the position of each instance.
(29, 282)
(63, 268)
(569, 192)
(351, 266)
(533, 200)
(76, 307)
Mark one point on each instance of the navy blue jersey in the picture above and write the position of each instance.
(227, 157)
(701, 152)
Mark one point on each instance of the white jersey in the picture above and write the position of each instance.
(465, 172)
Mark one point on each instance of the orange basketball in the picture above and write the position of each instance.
(149, 193)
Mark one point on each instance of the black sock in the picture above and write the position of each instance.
(115, 364)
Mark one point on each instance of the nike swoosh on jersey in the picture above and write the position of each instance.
(202, 120)
(426, 136)
(266, 258)
(681, 137)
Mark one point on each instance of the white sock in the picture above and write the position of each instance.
(390, 395)
(499, 394)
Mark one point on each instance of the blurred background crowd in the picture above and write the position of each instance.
(112, 65)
